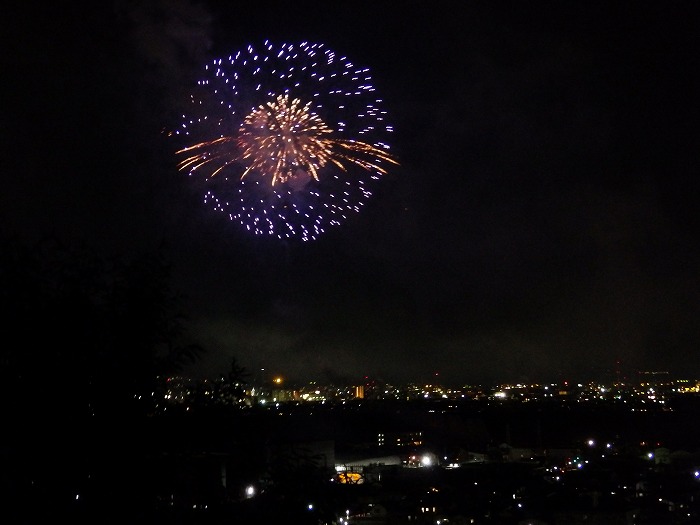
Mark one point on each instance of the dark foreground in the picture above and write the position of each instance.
(539, 464)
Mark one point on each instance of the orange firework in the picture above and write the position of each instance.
(289, 140)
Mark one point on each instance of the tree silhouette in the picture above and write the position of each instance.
(149, 335)
(86, 336)
(229, 389)
(237, 373)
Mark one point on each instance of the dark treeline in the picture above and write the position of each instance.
(87, 343)
(86, 336)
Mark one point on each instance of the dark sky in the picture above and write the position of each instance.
(542, 223)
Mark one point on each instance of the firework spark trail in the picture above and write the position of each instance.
(288, 141)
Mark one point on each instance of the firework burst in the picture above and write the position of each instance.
(288, 140)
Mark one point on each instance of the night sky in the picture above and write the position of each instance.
(542, 224)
